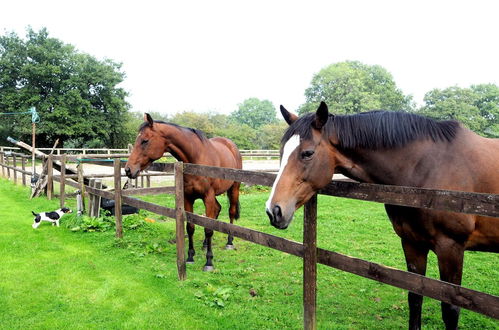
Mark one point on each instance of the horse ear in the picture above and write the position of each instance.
(148, 118)
(288, 116)
(321, 115)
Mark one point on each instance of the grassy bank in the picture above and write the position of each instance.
(80, 278)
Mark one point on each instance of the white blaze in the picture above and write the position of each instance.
(289, 147)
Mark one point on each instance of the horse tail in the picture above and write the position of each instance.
(34, 213)
(233, 196)
(238, 210)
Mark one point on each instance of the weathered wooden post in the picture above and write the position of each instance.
(91, 198)
(14, 165)
(62, 181)
(97, 198)
(81, 182)
(7, 163)
(23, 167)
(50, 176)
(310, 264)
(180, 219)
(117, 198)
(94, 199)
(2, 162)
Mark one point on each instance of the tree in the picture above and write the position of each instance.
(477, 107)
(75, 94)
(255, 113)
(269, 136)
(201, 121)
(214, 124)
(351, 87)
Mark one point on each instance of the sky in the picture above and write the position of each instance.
(209, 56)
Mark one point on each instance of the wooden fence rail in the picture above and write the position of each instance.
(484, 204)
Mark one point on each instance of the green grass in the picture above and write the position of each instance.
(54, 278)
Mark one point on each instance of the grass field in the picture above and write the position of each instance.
(77, 278)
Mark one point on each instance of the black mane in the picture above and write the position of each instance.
(200, 134)
(376, 129)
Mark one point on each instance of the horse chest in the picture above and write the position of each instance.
(411, 224)
(200, 186)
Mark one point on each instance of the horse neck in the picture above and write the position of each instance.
(181, 143)
(408, 165)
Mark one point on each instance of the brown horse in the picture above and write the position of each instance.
(398, 149)
(190, 146)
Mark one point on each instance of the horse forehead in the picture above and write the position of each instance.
(290, 145)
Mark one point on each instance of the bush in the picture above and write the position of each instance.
(103, 223)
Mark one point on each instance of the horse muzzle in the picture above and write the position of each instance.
(131, 174)
(277, 219)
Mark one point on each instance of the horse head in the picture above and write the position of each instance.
(149, 146)
(307, 165)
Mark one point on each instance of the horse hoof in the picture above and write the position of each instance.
(230, 247)
(208, 268)
(190, 262)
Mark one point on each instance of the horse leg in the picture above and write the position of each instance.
(416, 259)
(218, 208)
(212, 210)
(450, 256)
(189, 206)
(234, 208)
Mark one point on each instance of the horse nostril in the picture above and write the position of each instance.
(271, 217)
(127, 171)
(277, 211)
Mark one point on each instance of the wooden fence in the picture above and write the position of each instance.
(106, 151)
(476, 203)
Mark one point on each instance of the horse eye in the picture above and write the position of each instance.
(144, 142)
(307, 154)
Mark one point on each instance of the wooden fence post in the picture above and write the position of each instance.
(94, 200)
(310, 264)
(62, 181)
(81, 182)
(2, 163)
(180, 220)
(97, 200)
(91, 198)
(7, 163)
(14, 164)
(50, 176)
(23, 167)
(117, 198)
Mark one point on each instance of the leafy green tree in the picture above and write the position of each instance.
(351, 87)
(255, 113)
(214, 124)
(476, 107)
(75, 94)
(242, 135)
(201, 121)
(269, 136)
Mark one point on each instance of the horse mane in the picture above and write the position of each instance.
(200, 134)
(376, 129)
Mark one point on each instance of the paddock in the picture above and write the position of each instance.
(484, 204)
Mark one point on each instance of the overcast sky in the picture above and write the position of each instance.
(212, 55)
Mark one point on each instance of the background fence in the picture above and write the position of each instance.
(106, 151)
(475, 203)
